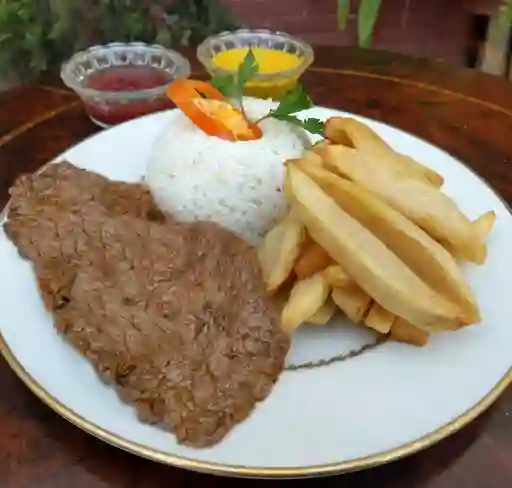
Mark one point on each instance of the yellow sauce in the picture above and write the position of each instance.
(270, 62)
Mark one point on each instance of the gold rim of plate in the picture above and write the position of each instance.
(356, 464)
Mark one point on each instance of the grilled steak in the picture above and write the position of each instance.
(172, 314)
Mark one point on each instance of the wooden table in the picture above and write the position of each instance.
(465, 112)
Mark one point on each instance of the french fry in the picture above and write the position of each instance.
(335, 276)
(379, 272)
(484, 224)
(320, 144)
(313, 259)
(281, 296)
(426, 257)
(335, 131)
(352, 301)
(325, 313)
(379, 319)
(425, 205)
(313, 157)
(306, 298)
(403, 331)
(352, 133)
(280, 249)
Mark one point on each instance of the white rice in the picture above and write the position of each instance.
(238, 185)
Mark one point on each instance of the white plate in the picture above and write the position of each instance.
(384, 404)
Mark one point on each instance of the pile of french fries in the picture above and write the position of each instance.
(371, 234)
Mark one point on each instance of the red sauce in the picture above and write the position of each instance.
(127, 79)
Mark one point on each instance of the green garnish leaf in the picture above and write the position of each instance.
(226, 85)
(246, 70)
(232, 86)
(311, 124)
(295, 101)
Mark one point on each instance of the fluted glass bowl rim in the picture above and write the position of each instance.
(206, 59)
(70, 80)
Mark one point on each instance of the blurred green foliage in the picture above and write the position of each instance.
(37, 35)
(501, 21)
(368, 14)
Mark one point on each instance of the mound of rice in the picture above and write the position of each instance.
(239, 185)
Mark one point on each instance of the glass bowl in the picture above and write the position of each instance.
(271, 84)
(121, 81)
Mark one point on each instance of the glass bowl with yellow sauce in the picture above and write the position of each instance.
(282, 59)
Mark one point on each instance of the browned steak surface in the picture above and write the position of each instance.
(172, 314)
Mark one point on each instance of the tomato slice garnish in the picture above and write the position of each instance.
(211, 111)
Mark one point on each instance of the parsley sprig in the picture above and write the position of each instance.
(297, 100)
(232, 86)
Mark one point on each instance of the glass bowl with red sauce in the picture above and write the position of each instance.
(121, 81)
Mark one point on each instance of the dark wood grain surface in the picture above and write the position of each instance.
(465, 112)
